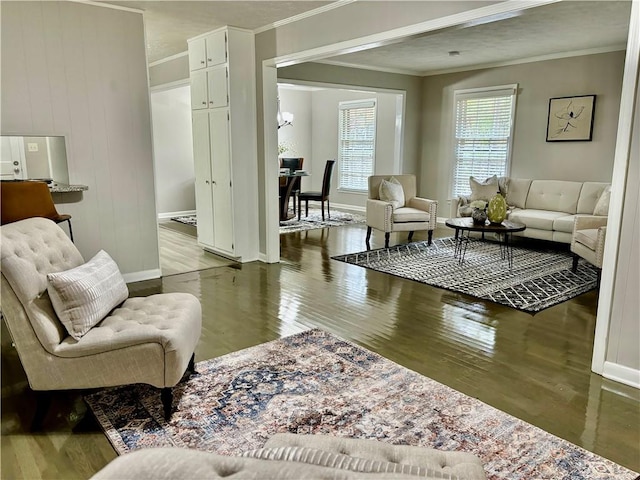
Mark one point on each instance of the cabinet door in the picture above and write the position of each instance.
(221, 175)
(197, 54)
(216, 48)
(202, 170)
(217, 87)
(198, 90)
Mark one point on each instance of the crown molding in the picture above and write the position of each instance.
(399, 71)
(301, 16)
(169, 58)
(108, 5)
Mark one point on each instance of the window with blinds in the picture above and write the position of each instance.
(356, 144)
(483, 134)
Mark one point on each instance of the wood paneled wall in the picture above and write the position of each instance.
(79, 70)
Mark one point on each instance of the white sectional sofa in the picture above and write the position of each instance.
(547, 207)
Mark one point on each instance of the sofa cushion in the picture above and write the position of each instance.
(588, 237)
(564, 224)
(539, 219)
(409, 214)
(518, 191)
(554, 195)
(462, 464)
(589, 195)
(483, 190)
(84, 295)
(602, 205)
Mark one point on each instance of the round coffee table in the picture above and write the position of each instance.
(465, 224)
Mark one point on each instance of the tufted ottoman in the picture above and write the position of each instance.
(290, 456)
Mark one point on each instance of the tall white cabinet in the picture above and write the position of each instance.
(223, 104)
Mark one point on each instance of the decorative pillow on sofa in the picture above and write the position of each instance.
(602, 205)
(391, 191)
(84, 295)
(484, 190)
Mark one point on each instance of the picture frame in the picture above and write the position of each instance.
(570, 119)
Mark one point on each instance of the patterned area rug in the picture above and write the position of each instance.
(314, 382)
(314, 220)
(539, 278)
(187, 220)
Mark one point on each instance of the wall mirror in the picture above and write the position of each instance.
(34, 158)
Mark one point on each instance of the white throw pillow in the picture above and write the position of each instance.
(484, 190)
(602, 205)
(84, 295)
(391, 191)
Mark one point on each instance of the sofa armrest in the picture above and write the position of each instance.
(456, 203)
(584, 222)
(427, 205)
(379, 215)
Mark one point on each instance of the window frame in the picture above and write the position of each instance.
(483, 92)
(348, 105)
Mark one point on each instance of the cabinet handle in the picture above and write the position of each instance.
(210, 101)
(204, 103)
(202, 62)
(207, 182)
(209, 60)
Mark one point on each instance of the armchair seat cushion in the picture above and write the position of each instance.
(172, 320)
(409, 214)
(588, 237)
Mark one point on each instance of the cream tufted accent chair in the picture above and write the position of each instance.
(587, 240)
(145, 340)
(417, 214)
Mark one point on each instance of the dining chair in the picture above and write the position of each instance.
(26, 199)
(321, 196)
(292, 164)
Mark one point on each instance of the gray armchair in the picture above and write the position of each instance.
(144, 340)
(416, 214)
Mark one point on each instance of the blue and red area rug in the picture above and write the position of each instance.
(316, 383)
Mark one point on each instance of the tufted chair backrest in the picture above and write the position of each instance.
(30, 250)
(407, 181)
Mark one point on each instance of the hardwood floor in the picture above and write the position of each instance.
(536, 367)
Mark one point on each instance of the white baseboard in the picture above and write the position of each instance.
(622, 374)
(142, 275)
(166, 215)
(353, 208)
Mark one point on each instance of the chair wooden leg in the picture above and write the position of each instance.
(386, 239)
(70, 230)
(328, 209)
(322, 208)
(299, 208)
(430, 235)
(574, 266)
(192, 364)
(306, 208)
(43, 402)
(166, 395)
(410, 237)
(368, 236)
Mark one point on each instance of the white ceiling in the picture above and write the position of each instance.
(557, 29)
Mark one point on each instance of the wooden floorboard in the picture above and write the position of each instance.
(536, 367)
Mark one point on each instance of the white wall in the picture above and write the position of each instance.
(532, 156)
(297, 137)
(79, 70)
(173, 150)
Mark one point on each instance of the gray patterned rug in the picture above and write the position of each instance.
(539, 278)
(316, 383)
(314, 220)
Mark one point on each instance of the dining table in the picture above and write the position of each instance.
(287, 189)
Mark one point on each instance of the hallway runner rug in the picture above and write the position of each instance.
(539, 278)
(316, 383)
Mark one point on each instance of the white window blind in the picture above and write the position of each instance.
(357, 144)
(483, 134)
